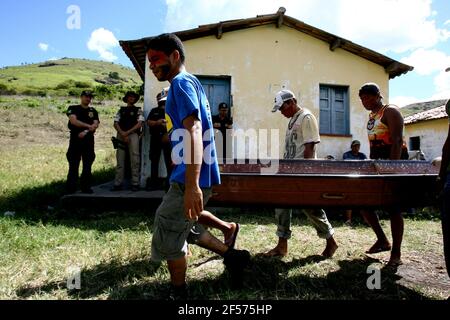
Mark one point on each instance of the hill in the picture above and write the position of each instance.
(67, 76)
(414, 108)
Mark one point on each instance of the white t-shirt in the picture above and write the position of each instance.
(302, 129)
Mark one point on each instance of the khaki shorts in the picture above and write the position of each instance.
(172, 231)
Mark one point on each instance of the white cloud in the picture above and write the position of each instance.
(442, 84)
(384, 25)
(403, 101)
(43, 46)
(103, 41)
(427, 62)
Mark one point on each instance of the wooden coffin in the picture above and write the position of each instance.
(325, 183)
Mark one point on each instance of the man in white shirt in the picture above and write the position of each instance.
(302, 136)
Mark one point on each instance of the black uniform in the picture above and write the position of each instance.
(80, 149)
(157, 145)
(223, 129)
(128, 117)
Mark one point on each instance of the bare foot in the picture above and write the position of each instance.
(379, 246)
(330, 249)
(276, 252)
(395, 260)
(281, 250)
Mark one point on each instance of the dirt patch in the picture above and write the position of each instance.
(425, 269)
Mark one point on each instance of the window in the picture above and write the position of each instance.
(217, 90)
(414, 143)
(334, 110)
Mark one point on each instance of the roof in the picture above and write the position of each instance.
(135, 49)
(432, 114)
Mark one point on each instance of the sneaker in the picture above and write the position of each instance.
(135, 188)
(178, 293)
(235, 262)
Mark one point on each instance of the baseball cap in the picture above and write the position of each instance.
(87, 93)
(282, 97)
(162, 96)
(356, 142)
(370, 88)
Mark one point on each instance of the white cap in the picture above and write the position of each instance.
(282, 97)
(162, 96)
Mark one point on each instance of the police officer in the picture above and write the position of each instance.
(160, 126)
(83, 123)
(128, 123)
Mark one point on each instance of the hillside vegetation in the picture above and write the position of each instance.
(68, 77)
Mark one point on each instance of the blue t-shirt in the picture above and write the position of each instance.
(350, 156)
(185, 98)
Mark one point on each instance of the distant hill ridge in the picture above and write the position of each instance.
(67, 76)
(415, 108)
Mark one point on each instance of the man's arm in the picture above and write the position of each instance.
(135, 128)
(193, 196)
(156, 123)
(95, 125)
(394, 120)
(77, 123)
(445, 158)
(152, 121)
(309, 150)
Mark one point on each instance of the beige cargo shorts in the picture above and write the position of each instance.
(172, 231)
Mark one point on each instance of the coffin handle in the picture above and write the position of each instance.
(329, 196)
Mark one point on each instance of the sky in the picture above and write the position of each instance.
(415, 32)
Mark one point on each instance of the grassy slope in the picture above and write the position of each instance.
(33, 76)
(421, 107)
(112, 249)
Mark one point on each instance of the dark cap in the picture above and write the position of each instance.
(370, 88)
(223, 105)
(356, 143)
(87, 93)
(131, 94)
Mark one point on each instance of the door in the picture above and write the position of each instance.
(218, 90)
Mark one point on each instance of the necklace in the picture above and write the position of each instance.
(294, 120)
(372, 116)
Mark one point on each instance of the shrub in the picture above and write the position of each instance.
(114, 75)
(65, 85)
(81, 84)
(6, 91)
(75, 92)
(31, 103)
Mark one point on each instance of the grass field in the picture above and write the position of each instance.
(40, 248)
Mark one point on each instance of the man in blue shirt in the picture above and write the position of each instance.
(354, 153)
(444, 187)
(196, 169)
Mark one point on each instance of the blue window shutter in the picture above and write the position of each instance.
(339, 111)
(325, 110)
(334, 110)
(217, 90)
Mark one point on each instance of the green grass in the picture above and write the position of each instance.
(39, 245)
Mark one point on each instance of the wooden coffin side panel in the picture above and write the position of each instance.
(345, 192)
